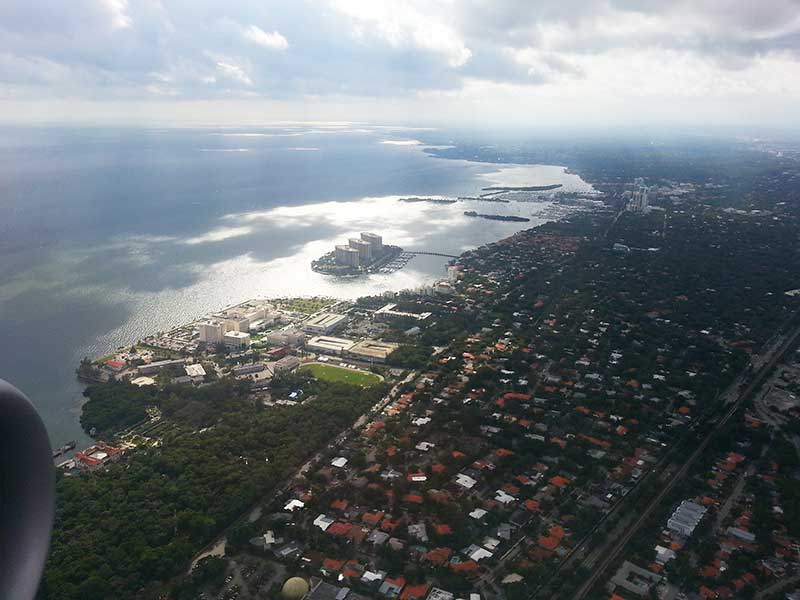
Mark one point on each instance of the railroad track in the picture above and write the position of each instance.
(613, 554)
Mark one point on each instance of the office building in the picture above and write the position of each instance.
(324, 323)
(155, 367)
(256, 367)
(286, 337)
(236, 340)
(236, 323)
(372, 351)
(286, 364)
(211, 332)
(329, 345)
(388, 312)
(640, 199)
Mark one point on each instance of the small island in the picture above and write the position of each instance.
(472, 213)
(486, 198)
(523, 188)
(361, 256)
(431, 200)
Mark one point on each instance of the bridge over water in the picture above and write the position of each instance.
(422, 253)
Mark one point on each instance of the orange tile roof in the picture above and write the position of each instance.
(389, 525)
(548, 543)
(707, 593)
(439, 556)
(532, 505)
(464, 567)
(339, 528)
(372, 518)
(332, 565)
(413, 499)
(443, 529)
(415, 592)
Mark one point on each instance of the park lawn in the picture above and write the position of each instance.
(340, 374)
(307, 305)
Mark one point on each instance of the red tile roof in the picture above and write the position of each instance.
(415, 592)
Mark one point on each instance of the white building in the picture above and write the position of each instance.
(195, 372)
(388, 312)
(237, 340)
(286, 364)
(686, 518)
(345, 255)
(371, 350)
(238, 324)
(211, 332)
(453, 273)
(286, 337)
(639, 201)
(373, 240)
(324, 323)
(329, 345)
(364, 249)
(155, 367)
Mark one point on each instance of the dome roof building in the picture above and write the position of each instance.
(294, 588)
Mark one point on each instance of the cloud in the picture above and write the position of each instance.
(401, 142)
(234, 72)
(273, 41)
(417, 60)
(402, 24)
(119, 17)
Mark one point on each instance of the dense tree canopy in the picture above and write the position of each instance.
(118, 532)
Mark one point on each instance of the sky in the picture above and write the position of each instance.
(479, 63)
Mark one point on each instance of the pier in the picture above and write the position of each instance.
(402, 260)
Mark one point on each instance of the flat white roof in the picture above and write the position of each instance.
(293, 504)
(195, 370)
(325, 320)
(237, 334)
(331, 343)
(323, 522)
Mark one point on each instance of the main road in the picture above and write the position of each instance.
(617, 546)
(217, 546)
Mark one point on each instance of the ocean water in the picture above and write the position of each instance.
(109, 234)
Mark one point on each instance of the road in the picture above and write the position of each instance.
(617, 546)
(732, 498)
(217, 546)
(778, 586)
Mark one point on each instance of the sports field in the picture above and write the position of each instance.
(334, 373)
